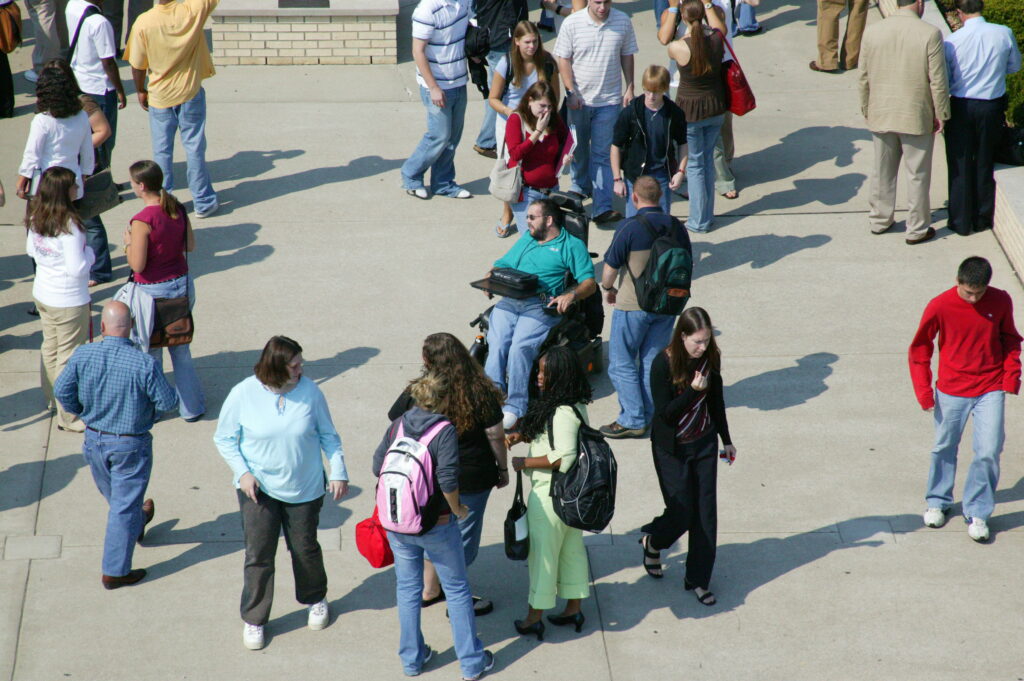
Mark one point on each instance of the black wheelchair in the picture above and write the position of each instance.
(580, 327)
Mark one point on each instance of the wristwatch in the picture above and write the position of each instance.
(609, 288)
(708, 5)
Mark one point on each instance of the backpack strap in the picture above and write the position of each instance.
(551, 423)
(89, 11)
(433, 431)
(654, 236)
(400, 432)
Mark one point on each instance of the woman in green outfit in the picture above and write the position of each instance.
(557, 561)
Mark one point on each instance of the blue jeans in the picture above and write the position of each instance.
(659, 8)
(436, 151)
(663, 178)
(443, 547)
(747, 20)
(982, 477)
(591, 162)
(637, 338)
(485, 139)
(190, 119)
(95, 232)
(472, 526)
(700, 171)
(518, 327)
(191, 401)
(519, 208)
(120, 466)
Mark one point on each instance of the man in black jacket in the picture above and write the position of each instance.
(498, 18)
(644, 141)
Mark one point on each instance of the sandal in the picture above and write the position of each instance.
(735, 194)
(505, 231)
(707, 598)
(427, 602)
(653, 569)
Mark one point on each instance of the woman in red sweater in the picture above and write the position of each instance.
(535, 136)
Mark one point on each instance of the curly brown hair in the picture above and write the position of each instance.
(454, 384)
(56, 92)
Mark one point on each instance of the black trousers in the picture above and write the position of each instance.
(688, 476)
(972, 134)
(262, 524)
(6, 88)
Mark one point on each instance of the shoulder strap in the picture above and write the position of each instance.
(434, 430)
(727, 46)
(400, 432)
(89, 11)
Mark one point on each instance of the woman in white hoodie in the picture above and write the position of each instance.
(56, 241)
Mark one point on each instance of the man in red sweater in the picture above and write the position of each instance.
(979, 362)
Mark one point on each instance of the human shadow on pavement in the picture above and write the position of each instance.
(802, 11)
(245, 164)
(783, 388)
(798, 151)
(23, 404)
(24, 484)
(760, 251)
(12, 269)
(835, 191)
(250, 192)
(740, 569)
(226, 247)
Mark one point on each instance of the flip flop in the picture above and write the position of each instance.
(427, 602)
(505, 231)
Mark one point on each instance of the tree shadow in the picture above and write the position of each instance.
(783, 388)
(252, 192)
(835, 191)
(24, 484)
(760, 251)
(798, 151)
(741, 569)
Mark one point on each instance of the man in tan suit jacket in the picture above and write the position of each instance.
(904, 95)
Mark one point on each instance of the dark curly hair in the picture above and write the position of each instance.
(56, 92)
(565, 382)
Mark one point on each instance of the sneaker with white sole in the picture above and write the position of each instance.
(978, 529)
(935, 517)
(319, 614)
(203, 214)
(31, 76)
(488, 666)
(509, 420)
(252, 636)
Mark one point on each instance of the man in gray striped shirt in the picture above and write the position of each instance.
(438, 48)
(593, 46)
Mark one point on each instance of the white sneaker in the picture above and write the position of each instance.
(252, 636)
(509, 420)
(203, 214)
(319, 614)
(31, 76)
(462, 194)
(978, 530)
(934, 517)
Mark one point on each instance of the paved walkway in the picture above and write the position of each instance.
(824, 570)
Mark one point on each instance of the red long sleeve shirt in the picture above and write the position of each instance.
(540, 160)
(979, 347)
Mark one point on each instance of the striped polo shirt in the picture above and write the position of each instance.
(442, 23)
(595, 50)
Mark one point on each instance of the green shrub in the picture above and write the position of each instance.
(1011, 13)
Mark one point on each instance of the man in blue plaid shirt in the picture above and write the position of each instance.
(117, 390)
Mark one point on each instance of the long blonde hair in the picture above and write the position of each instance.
(540, 57)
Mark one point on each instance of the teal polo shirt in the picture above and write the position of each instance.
(550, 261)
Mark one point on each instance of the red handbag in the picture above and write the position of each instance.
(739, 97)
(372, 541)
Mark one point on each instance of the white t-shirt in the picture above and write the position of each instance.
(64, 142)
(442, 23)
(514, 94)
(62, 268)
(95, 42)
(596, 50)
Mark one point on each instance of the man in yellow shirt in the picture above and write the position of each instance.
(168, 45)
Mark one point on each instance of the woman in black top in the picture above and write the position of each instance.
(472, 403)
(689, 418)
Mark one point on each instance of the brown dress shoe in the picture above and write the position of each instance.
(148, 511)
(133, 577)
(814, 67)
(927, 236)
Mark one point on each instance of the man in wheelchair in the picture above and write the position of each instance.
(518, 326)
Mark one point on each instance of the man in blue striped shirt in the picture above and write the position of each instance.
(979, 56)
(117, 389)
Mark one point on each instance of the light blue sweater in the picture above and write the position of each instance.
(278, 438)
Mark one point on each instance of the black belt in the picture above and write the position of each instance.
(103, 432)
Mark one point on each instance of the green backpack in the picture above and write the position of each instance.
(664, 285)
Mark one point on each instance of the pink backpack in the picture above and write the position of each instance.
(406, 482)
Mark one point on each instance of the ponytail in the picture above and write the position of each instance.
(692, 13)
(170, 205)
(151, 177)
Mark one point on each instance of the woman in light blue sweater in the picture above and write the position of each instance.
(272, 429)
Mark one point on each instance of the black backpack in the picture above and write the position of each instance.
(664, 285)
(584, 496)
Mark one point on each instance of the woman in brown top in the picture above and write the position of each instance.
(689, 419)
(701, 96)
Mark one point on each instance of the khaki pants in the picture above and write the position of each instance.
(64, 329)
(830, 55)
(916, 151)
(725, 147)
(48, 20)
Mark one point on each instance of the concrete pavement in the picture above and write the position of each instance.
(824, 570)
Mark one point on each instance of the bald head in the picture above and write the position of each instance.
(116, 320)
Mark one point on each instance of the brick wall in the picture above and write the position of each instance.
(304, 40)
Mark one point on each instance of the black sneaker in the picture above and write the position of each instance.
(488, 666)
(608, 216)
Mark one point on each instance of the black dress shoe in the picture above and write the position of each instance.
(927, 236)
(133, 577)
(608, 216)
(576, 620)
(537, 629)
(148, 511)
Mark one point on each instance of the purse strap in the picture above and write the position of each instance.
(519, 487)
(522, 128)
(725, 41)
